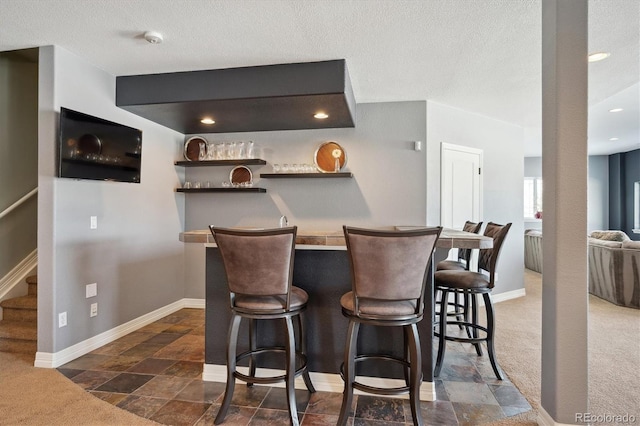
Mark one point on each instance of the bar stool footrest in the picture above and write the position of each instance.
(300, 357)
(473, 340)
(374, 389)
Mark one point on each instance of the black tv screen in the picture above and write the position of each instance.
(98, 149)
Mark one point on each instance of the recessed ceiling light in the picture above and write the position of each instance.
(598, 56)
(207, 120)
(614, 139)
(321, 115)
(616, 110)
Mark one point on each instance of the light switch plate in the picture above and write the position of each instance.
(94, 222)
(91, 290)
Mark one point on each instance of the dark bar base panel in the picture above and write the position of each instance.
(325, 275)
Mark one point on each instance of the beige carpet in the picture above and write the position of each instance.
(34, 396)
(38, 396)
(614, 352)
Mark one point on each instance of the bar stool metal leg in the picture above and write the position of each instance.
(490, 330)
(416, 372)
(234, 328)
(303, 349)
(253, 326)
(349, 371)
(291, 372)
(406, 355)
(467, 308)
(474, 320)
(442, 332)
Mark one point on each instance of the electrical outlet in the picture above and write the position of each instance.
(94, 222)
(62, 319)
(91, 290)
(94, 310)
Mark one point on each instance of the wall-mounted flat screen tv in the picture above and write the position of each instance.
(98, 149)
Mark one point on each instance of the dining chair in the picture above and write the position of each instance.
(471, 284)
(389, 270)
(259, 269)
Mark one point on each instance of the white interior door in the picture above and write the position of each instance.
(460, 185)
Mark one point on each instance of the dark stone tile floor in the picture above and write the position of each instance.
(155, 373)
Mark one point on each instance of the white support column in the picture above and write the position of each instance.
(564, 392)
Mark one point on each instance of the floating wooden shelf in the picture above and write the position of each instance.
(306, 175)
(202, 190)
(238, 162)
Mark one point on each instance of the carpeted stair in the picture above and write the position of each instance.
(18, 328)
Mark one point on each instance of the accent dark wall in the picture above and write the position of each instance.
(624, 170)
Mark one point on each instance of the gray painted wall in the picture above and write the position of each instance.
(533, 167)
(134, 255)
(624, 172)
(598, 210)
(598, 195)
(393, 184)
(388, 187)
(502, 178)
(18, 157)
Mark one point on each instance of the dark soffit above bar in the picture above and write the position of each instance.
(247, 99)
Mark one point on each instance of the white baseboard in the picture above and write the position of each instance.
(507, 295)
(496, 298)
(324, 382)
(544, 419)
(194, 303)
(54, 360)
(18, 273)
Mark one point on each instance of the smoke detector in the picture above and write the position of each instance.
(153, 37)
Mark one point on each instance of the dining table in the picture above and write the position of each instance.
(322, 269)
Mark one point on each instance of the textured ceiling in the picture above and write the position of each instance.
(481, 56)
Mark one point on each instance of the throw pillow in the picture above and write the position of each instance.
(610, 235)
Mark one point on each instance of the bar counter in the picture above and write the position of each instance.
(449, 238)
(321, 268)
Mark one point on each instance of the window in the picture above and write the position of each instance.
(532, 198)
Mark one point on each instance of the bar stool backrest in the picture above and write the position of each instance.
(390, 265)
(257, 262)
(488, 258)
(465, 254)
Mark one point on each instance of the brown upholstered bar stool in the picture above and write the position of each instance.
(470, 284)
(464, 255)
(259, 269)
(389, 272)
(460, 302)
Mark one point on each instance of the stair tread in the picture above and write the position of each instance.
(32, 279)
(23, 302)
(21, 330)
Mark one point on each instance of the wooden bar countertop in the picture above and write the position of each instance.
(449, 238)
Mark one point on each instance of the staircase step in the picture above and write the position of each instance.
(18, 336)
(19, 330)
(23, 302)
(20, 308)
(32, 280)
(18, 346)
